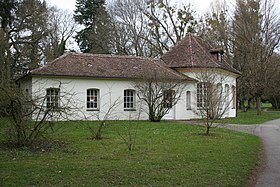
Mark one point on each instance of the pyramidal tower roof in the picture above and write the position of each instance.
(194, 52)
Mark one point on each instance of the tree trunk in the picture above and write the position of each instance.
(250, 103)
(258, 104)
(207, 130)
(242, 105)
(98, 135)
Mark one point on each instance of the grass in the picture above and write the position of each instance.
(165, 154)
(250, 117)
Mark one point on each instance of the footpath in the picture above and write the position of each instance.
(270, 134)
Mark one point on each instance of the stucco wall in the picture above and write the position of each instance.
(215, 76)
(73, 94)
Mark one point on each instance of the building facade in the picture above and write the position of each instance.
(91, 85)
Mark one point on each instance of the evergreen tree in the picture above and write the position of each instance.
(30, 28)
(7, 16)
(95, 37)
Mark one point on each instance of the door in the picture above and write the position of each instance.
(170, 114)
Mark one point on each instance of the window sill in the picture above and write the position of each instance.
(92, 109)
(54, 109)
(129, 109)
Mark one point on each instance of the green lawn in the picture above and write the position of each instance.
(165, 154)
(250, 117)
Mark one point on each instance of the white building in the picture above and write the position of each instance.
(89, 84)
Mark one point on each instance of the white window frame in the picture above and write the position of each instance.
(92, 99)
(52, 98)
(201, 95)
(129, 100)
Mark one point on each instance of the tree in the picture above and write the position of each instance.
(272, 90)
(103, 116)
(96, 36)
(7, 16)
(131, 32)
(32, 19)
(168, 24)
(159, 94)
(215, 27)
(31, 117)
(62, 27)
(256, 36)
(214, 96)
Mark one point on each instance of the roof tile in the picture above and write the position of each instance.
(108, 66)
(193, 52)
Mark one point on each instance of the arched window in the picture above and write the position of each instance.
(129, 100)
(227, 94)
(93, 100)
(233, 97)
(201, 95)
(188, 100)
(219, 96)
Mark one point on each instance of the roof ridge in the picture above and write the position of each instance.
(191, 50)
(205, 52)
(111, 55)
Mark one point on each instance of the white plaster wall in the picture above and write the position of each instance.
(181, 111)
(221, 76)
(73, 94)
(26, 85)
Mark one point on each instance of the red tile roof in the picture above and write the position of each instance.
(193, 52)
(108, 66)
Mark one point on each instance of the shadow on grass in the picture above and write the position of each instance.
(40, 146)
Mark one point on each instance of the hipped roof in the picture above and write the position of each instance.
(194, 52)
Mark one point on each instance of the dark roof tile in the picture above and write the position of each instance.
(108, 66)
(193, 52)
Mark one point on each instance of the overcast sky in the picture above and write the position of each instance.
(200, 6)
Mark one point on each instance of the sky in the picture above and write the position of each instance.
(199, 5)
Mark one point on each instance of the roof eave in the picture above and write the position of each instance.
(199, 67)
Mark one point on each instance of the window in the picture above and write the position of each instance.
(227, 94)
(188, 100)
(233, 97)
(129, 100)
(202, 94)
(219, 96)
(52, 98)
(93, 99)
(168, 98)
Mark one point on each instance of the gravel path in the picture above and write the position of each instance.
(241, 128)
